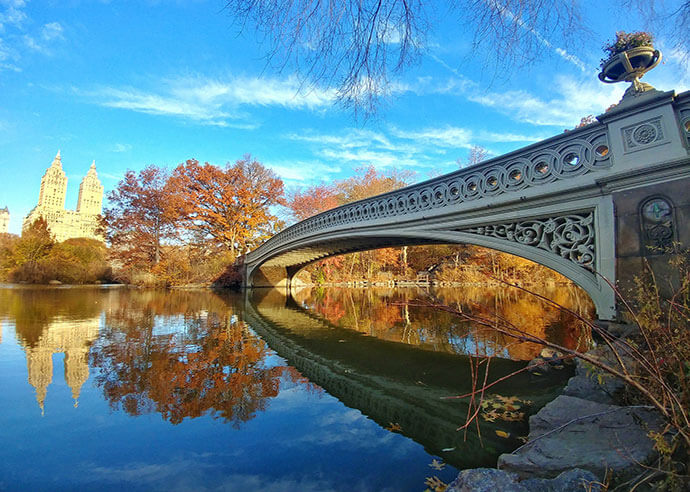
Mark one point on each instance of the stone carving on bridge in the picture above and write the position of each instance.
(658, 231)
(643, 135)
(684, 116)
(569, 236)
(565, 157)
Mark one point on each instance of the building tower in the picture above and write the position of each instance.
(4, 220)
(53, 187)
(90, 193)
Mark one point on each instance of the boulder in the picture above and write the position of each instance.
(611, 437)
(588, 388)
(55, 282)
(485, 480)
(492, 480)
(570, 480)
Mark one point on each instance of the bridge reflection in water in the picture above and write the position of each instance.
(399, 386)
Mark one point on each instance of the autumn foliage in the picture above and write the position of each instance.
(187, 226)
(228, 206)
(36, 258)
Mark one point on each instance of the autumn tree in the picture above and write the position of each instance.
(313, 200)
(229, 206)
(7, 244)
(27, 253)
(140, 217)
(365, 183)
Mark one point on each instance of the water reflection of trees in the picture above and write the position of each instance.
(392, 315)
(183, 355)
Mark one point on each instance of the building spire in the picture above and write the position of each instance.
(57, 162)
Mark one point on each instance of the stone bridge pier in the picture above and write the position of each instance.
(597, 204)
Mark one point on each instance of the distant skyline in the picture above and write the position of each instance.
(133, 83)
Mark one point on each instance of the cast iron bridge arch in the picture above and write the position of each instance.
(587, 203)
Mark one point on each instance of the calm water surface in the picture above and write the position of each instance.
(329, 389)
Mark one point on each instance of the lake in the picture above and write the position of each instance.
(113, 388)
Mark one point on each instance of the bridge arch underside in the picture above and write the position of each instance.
(282, 265)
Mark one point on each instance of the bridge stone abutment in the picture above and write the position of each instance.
(650, 226)
(596, 204)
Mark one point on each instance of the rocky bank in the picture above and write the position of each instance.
(574, 440)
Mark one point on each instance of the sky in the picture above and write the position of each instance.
(133, 83)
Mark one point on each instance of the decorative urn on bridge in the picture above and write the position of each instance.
(631, 55)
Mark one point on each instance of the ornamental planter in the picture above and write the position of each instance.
(629, 65)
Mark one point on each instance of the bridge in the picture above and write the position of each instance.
(595, 204)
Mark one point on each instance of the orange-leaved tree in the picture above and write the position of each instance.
(140, 217)
(230, 206)
(313, 200)
(365, 183)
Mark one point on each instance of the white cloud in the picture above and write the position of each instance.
(16, 37)
(110, 176)
(674, 73)
(462, 138)
(427, 148)
(376, 158)
(448, 136)
(51, 31)
(13, 13)
(350, 139)
(142, 102)
(302, 171)
(359, 147)
(211, 101)
(119, 147)
(517, 19)
(573, 98)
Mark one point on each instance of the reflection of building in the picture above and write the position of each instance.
(65, 224)
(71, 337)
(4, 220)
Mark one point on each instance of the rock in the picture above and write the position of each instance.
(552, 355)
(485, 480)
(608, 384)
(613, 439)
(54, 282)
(540, 365)
(588, 389)
(492, 480)
(571, 480)
(617, 329)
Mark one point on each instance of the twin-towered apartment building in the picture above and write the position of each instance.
(65, 224)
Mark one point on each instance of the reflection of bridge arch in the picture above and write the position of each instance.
(384, 380)
(571, 203)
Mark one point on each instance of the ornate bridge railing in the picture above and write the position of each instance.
(562, 157)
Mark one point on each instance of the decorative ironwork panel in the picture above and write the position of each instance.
(569, 236)
(658, 231)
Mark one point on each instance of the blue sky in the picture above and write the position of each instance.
(132, 83)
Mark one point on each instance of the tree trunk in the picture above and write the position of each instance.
(404, 261)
